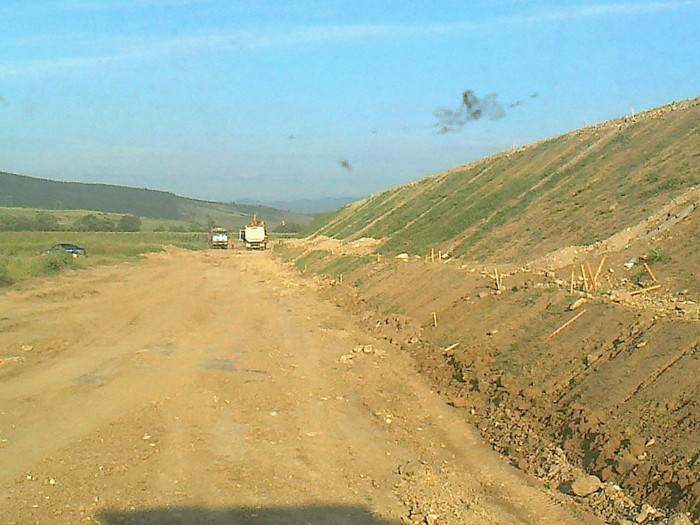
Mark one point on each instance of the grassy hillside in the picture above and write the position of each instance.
(574, 189)
(28, 192)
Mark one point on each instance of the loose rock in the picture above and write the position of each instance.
(586, 485)
(647, 511)
(578, 303)
(679, 519)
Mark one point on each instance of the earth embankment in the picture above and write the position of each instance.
(586, 359)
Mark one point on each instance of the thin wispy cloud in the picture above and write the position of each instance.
(125, 48)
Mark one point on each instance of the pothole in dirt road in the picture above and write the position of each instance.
(100, 375)
(222, 365)
(166, 349)
(230, 366)
(91, 380)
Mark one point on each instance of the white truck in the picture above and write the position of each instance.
(254, 236)
(218, 238)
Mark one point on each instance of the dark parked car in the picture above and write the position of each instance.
(73, 249)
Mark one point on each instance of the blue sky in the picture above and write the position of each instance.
(278, 100)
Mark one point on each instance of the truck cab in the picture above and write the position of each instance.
(218, 238)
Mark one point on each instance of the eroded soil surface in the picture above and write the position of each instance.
(584, 362)
(220, 388)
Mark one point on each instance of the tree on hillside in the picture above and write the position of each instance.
(129, 223)
(94, 223)
(46, 222)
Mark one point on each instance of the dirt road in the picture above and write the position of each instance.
(218, 388)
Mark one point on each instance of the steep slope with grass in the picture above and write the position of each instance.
(574, 189)
(563, 317)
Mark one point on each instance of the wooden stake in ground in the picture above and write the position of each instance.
(651, 274)
(450, 348)
(571, 289)
(565, 325)
(600, 267)
(434, 320)
(432, 255)
(646, 290)
(590, 273)
(585, 280)
(498, 279)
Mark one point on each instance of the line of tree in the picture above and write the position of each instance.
(91, 222)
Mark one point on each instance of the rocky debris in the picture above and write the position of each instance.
(397, 329)
(421, 489)
(544, 434)
(586, 485)
(525, 425)
(578, 303)
(646, 512)
(631, 262)
(361, 349)
(13, 359)
(679, 518)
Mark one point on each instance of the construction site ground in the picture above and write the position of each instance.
(222, 387)
(585, 361)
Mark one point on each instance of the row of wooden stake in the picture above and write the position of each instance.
(590, 280)
(432, 255)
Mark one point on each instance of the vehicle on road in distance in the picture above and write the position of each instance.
(73, 249)
(218, 238)
(254, 235)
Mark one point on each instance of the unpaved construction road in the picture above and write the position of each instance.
(217, 387)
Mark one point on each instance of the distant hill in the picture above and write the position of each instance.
(575, 189)
(29, 192)
(306, 206)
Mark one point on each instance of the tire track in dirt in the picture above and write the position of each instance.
(208, 387)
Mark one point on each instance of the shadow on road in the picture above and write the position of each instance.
(321, 515)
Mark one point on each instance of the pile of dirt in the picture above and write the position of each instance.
(362, 246)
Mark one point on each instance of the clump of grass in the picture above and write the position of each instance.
(347, 264)
(55, 262)
(657, 255)
(5, 277)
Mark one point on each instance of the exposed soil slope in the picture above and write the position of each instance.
(616, 392)
(218, 387)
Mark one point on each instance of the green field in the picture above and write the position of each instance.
(19, 258)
